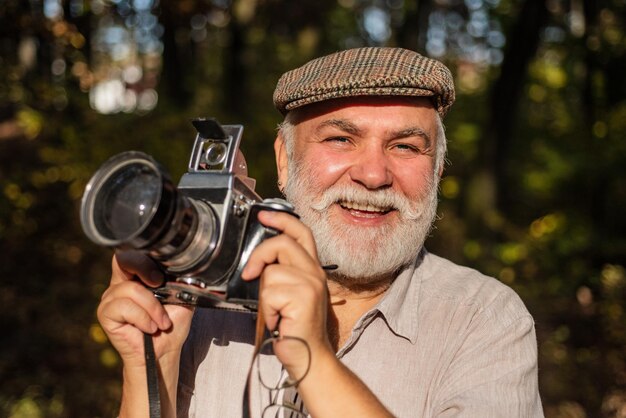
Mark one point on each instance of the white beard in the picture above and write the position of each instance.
(364, 254)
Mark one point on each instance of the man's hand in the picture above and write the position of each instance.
(127, 310)
(293, 288)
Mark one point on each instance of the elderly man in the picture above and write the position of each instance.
(394, 330)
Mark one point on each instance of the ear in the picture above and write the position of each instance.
(282, 162)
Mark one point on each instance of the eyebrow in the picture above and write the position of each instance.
(342, 124)
(414, 131)
(352, 129)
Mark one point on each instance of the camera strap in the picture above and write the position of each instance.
(152, 375)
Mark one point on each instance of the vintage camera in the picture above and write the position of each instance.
(201, 232)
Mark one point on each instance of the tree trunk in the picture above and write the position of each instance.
(413, 33)
(235, 78)
(522, 43)
(174, 83)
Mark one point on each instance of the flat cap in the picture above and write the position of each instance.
(370, 71)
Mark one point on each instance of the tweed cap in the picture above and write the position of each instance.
(370, 71)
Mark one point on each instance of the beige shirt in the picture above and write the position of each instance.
(444, 341)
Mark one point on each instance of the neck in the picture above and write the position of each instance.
(359, 286)
(347, 304)
(357, 290)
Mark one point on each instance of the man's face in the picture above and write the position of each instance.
(362, 177)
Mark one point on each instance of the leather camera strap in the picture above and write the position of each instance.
(246, 407)
(152, 375)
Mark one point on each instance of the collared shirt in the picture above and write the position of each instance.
(444, 341)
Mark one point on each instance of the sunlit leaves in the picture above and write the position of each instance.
(470, 79)
(30, 121)
(537, 93)
(109, 358)
(244, 10)
(549, 170)
(450, 187)
(546, 225)
(511, 252)
(464, 139)
(550, 73)
(97, 334)
(472, 250)
(308, 40)
(613, 278)
(21, 200)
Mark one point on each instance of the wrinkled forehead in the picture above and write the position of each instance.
(315, 110)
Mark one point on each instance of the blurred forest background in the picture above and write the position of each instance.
(534, 194)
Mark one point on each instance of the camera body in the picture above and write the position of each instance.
(202, 232)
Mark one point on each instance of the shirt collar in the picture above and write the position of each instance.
(399, 305)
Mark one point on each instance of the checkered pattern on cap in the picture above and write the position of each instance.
(370, 71)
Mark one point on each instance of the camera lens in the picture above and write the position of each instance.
(130, 202)
(127, 201)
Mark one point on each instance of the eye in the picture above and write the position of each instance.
(340, 139)
(406, 148)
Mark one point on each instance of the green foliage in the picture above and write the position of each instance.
(541, 209)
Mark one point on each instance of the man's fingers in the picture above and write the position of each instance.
(140, 297)
(283, 250)
(291, 226)
(120, 312)
(127, 264)
(297, 307)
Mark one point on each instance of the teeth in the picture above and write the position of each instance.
(364, 207)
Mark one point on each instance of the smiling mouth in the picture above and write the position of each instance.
(364, 209)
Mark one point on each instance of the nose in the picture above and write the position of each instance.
(371, 168)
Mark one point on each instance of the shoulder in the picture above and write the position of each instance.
(485, 341)
(467, 289)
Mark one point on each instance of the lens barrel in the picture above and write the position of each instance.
(131, 203)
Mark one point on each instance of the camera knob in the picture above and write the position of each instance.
(186, 297)
(240, 206)
(278, 204)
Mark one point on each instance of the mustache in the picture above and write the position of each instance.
(387, 199)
